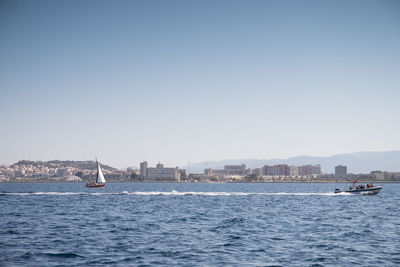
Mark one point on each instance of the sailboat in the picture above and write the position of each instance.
(100, 181)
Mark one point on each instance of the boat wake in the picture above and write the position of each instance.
(172, 193)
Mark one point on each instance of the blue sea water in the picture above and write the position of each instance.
(149, 224)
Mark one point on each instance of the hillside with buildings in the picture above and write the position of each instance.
(86, 164)
(59, 170)
(258, 171)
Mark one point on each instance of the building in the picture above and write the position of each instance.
(293, 171)
(143, 170)
(72, 178)
(378, 175)
(257, 171)
(228, 170)
(214, 172)
(309, 170)
(276, 170)
(159, 173)
(394, 176)
(235, 169)
(341, 171)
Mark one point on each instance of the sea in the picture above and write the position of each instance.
(197, 224)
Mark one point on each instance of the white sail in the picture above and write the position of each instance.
(100, 176)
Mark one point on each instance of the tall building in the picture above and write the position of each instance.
(341, 170)
(293, 170)
(265, 170)
(143, 170)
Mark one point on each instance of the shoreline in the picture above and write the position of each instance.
(238, 182)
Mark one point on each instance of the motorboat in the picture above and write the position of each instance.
(369, 189)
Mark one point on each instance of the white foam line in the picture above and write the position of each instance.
(44, 193)
(172, 193)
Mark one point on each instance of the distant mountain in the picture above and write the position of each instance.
(359, 162)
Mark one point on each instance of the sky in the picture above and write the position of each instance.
(190, 81)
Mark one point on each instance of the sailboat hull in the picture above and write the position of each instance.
(95, 185)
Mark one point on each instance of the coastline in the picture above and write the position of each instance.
(203, 182)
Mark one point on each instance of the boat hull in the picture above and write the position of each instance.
(95, 185)
(366, 191)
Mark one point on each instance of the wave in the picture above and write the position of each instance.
(176, 193)
(173, 193)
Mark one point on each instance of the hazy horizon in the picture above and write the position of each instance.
(234, 161)
(194, 81)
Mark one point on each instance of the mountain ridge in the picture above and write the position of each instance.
(357, 162)
(81, 164)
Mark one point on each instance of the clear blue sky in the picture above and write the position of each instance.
(179, 81)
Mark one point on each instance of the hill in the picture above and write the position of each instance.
(86, 164)
(359, 162)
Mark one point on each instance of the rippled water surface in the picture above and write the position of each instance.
(197, 224)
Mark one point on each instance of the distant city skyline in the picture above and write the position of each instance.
(77, 171)
(359, 162)
(179, 81)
